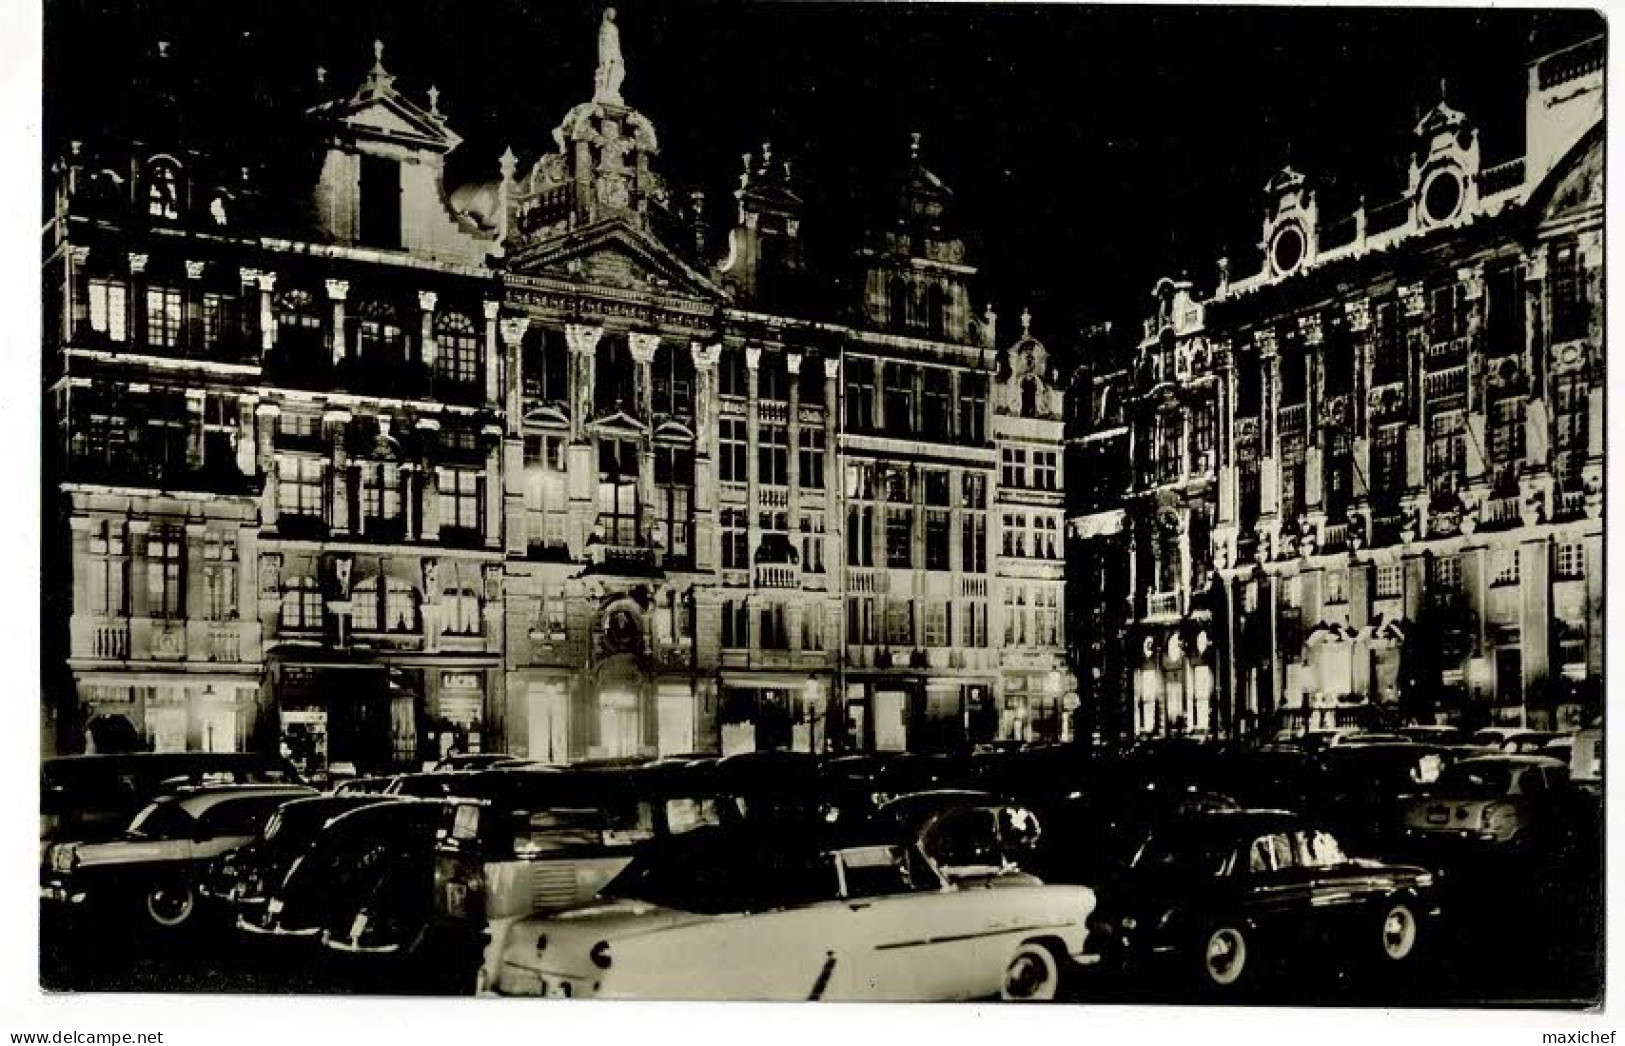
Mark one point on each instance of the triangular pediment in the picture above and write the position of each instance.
(391, 116)
(614, 254)
(619, 422)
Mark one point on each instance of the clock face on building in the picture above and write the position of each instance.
(1286, 250)
(1442, 197)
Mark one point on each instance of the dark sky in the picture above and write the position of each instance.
(1092, 149)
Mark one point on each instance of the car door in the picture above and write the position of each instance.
(1274, 882)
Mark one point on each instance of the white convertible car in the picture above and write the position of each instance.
(714, 916)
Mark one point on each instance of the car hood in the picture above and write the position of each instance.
(572, 934)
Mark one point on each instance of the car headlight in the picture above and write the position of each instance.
(1128, 922)
(64, 857)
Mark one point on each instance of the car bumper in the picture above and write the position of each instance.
(276, 929)
(59, 892)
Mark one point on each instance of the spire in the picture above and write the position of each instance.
(379, 79)
(434, 102)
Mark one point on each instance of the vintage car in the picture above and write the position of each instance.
(367, 785)
(526, 842)
(974, 838)
(1495, 800)
(1364, 789)
(154, 867)
(475, 761)
(340, 862)
(1217, 896)
(720, 914)
(88, 798)
(243, 877)
(1427, 733)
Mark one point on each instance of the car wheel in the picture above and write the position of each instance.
(1031, 975)
(1224, 955)
(1399, 931)
(171, 905)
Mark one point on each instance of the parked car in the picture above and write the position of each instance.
(242, 878)
(1495, 800)
(1585, 759)
(442, 784)
(1366, 737)
(475, 761)
(1425, 733)
(367, 785)
(88, 798)
(1218, 896)
(787, 916)
(974, 838)
(153, 869)
(1364, 789)
(342, 860)
(1527, 742)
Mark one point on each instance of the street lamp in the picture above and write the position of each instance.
(811, 693)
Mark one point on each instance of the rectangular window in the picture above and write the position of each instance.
(900, 622)
(899, 538)
(1506, 430)
(1505, 566)
(1012, 467)
(545, 452)
(1504, 321)
(165, 311)
(462, 499)
(731, 372)
(731, 448)
(973, 543)
(973, 618)
(1447, 450)
(381, 499)
(1044, 469)
(299, 486)
(860, 536)
(166, 550)
(735, 539)
(1337, 586)
(1046, 617)
(812, 544)
(107, 567)
(812, 626)
(1444, 574)
(458, 354)
(1015, 535)
(973, 409)
(109, 309)
(1571, 560)
(735, 625)
(1388, 362)
(938, 528)
(219, 320)
(1201, 438)
(773, 455)
(899, 399)
(1570, 315)
(773, 635)
(937, 487)
(1446, 315)
(1045, 531)
(1388, 463)
(860, 395)
(773, 378)
(220, 576)
(811, 461)
(301, 605)
(938, 632)
(1390, 580)
(936, 405)
(380, 185)
(860, 620)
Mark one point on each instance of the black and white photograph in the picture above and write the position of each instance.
(710, 501)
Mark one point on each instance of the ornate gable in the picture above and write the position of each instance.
(615, 254)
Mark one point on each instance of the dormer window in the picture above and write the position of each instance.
(380, 188)
(163, 191)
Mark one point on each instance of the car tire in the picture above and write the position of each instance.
(1033, 974)
(1224, 955)
(1398, 931)
(170, 905)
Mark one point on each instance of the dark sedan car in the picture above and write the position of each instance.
(242, 878)
(1218, 896)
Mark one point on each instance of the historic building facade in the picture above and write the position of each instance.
(365, 468)
(1369, 476)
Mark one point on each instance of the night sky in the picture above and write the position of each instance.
(1092, 149)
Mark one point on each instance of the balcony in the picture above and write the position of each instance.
(778, 575)
(225, 478)
(1386, 528)
(1500, 178)
(1502, 512)
(1571, 64)
(1162, 605)
(623, 559)
(1334, 537)
(1568, 504)
(1442, 355)
(110, 641)
(222, 642)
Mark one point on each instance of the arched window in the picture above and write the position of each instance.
(301, 605)
(163, 189)
(364, 606)
(298, 324)
(898, 302)
(379, 338)
(457, 340)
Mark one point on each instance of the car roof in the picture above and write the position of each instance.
(196, 800)
(1513, 758)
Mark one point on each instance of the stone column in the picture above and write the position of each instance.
(793, 476)
(643, 348)
(429, 517)
(136, 590)
(136, 328)
(266, 283)
(834, 481)
(513, 337)
(583, 342)
(1269, 475)
(338, 291)
(193, 575)
(248, 434)
(265, 415)
(878, 417)
(493, 357)
(493, 485)
(705, 440)
(411, 514)
(753, 363)
(334, 421)
(428, 349)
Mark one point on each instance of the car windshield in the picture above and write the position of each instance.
(1185, 852)
(1475, 780)
(163, 821)
(726, 877)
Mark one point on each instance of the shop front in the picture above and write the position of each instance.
(774, 713)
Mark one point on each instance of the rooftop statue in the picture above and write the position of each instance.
(611, 68)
